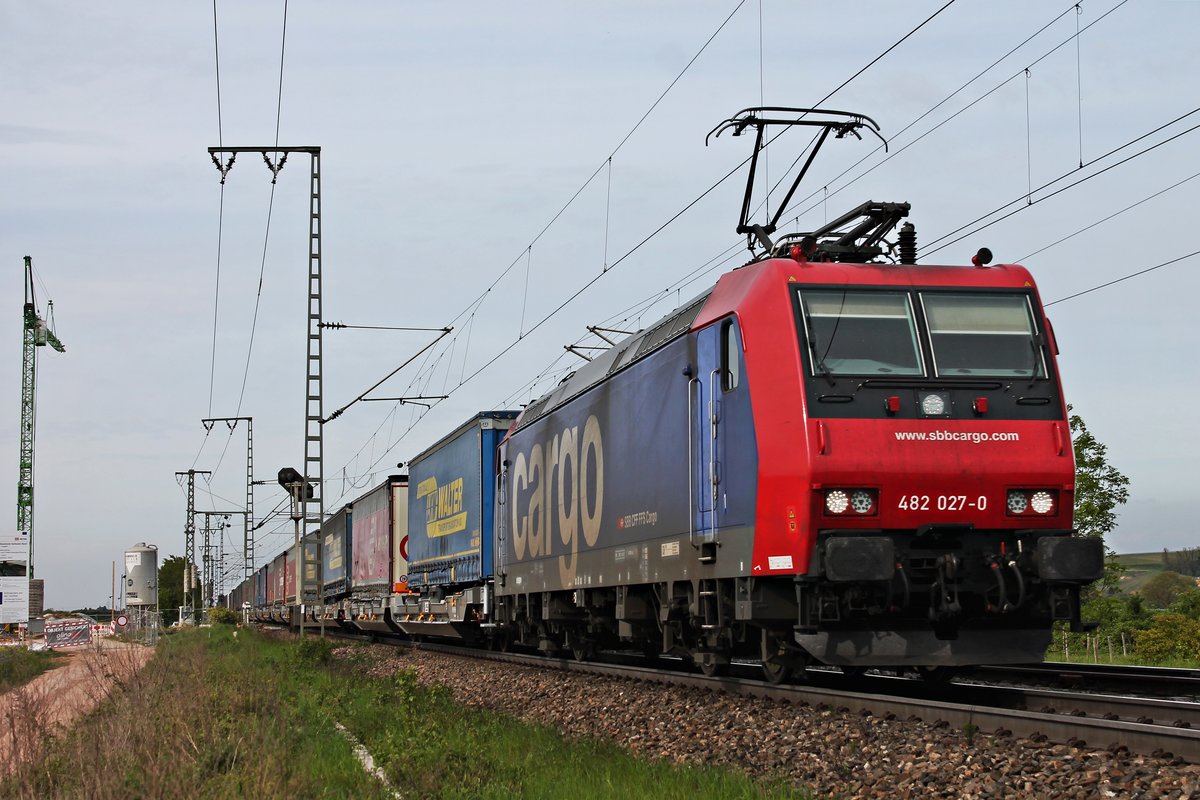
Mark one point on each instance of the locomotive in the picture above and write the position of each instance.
(831, 456)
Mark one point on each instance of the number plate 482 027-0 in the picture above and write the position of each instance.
(942, 502)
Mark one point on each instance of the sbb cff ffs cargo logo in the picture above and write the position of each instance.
(558, 494)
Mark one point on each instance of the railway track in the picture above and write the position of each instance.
(1169, 682)
(1148, 726)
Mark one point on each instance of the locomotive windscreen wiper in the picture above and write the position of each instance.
(1033, 368)
(819, 360)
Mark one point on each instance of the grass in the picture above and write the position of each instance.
(1120, 660)
(224, 714)
(210, 716)
(437, 749)
(19, 665)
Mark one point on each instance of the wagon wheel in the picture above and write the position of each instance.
(710, 667)
(853, 673)
(942, 674)
(582, 649)
(776, 672)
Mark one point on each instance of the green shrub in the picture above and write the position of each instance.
(19, 665)
(1169, 636)
(222, 616)
(314, 652)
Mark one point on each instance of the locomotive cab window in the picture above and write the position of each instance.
(730, 356)
(860, 332)
(983, 334)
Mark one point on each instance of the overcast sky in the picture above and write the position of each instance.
(452, 135)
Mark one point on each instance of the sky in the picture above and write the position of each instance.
(481, 163)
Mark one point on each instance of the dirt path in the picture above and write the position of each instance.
(55, 699)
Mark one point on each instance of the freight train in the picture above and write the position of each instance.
(835, 455)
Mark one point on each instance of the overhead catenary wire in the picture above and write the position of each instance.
(946, 239)
(212, 375)
(1123, 278)
(220, 227)
(1111, 216)
(270, 204)
(905, 147)
(849, 80)
(602, 164)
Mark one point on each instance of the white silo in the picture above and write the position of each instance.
(141, 576)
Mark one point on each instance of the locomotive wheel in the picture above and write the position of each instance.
(777, 663)
(710, 667)
(776, 673)
(583, 649)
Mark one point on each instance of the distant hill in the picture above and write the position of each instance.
(1139, 568)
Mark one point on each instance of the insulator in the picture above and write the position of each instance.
(908, 243)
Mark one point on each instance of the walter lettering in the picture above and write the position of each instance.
(444, 509)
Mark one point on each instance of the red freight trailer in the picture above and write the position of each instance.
(378, 556)
(379, 553)
(280, 575)
(289, 589)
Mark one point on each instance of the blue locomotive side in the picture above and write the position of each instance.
(613, 485)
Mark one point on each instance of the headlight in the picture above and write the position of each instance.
(860, 501)
(935, 404)
(1042, 502)
(1027, 502)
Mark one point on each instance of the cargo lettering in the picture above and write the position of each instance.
(567, 477)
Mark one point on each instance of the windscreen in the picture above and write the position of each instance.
(861, 332)
(982, 334)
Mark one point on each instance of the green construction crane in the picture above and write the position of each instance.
(37, 334)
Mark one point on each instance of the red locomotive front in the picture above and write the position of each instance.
(915, 469)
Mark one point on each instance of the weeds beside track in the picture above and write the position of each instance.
(219, 714)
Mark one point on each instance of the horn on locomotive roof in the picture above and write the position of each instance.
(829, 121)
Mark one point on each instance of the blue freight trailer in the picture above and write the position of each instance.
(336, 535)
(452, 488)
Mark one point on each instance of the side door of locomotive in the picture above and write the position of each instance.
(717, 372)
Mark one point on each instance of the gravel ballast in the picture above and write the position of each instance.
(830, 752)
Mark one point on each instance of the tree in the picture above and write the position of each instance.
(1099, 489)
(170, 586)
(1187, 604)
(1185, 561)
(1099, 486)
(1165, 588)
